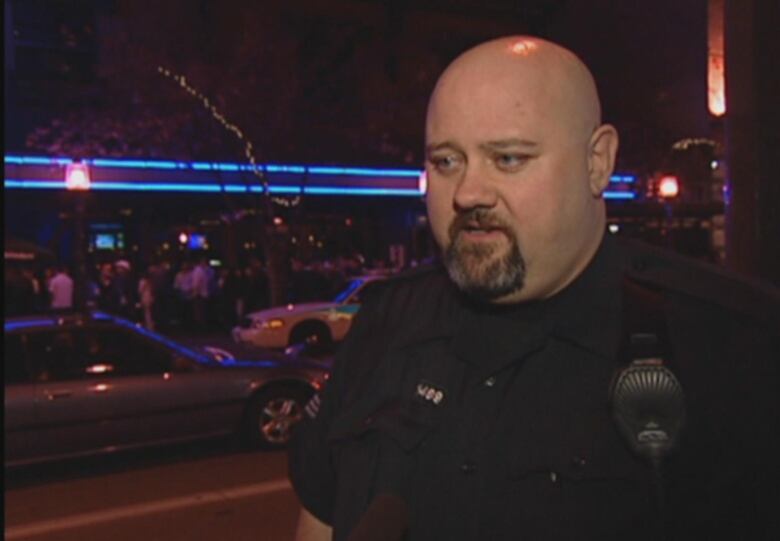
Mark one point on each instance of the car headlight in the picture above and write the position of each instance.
(274, 323)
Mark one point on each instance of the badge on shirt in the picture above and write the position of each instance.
(429, 393)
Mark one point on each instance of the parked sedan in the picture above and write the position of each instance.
(322, 322)
(85, 384)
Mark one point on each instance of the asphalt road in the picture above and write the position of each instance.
(212, 491)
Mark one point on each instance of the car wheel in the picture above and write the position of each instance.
(311, 333)
(272, 414)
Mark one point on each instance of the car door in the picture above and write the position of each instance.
(163, 393)
(72, 411)
(19, 411)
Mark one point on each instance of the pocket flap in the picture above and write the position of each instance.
(599, 458)
(400, 424)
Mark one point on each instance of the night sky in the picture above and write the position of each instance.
(330, 82)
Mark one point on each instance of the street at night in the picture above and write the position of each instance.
(198, 491)
(379, 270)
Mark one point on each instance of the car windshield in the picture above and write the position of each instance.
(351, 288)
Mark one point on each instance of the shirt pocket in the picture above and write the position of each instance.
(374, 452)
(580, 490)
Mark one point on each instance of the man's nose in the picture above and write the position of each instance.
(474, 190)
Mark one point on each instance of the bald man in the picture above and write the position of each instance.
(496, 396)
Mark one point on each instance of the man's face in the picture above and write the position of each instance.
(508, 197)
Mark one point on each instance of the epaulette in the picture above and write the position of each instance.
(684, 277)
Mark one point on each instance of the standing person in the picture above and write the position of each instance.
(146, 299)
(182, 284)
(106, 292)
(472, 400)
(201, 292)
(258, 292)
(161, 283)
(61, 290)
(124, 289)
(234, 293)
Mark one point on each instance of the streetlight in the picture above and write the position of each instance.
(668, 189)
(77, 181)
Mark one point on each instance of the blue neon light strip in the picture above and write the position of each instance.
(26, 324)
(622, 179)
(32, 160)
(322, 190)
(35, 184)
(283, 169)
(362, 171)
(138, 164)
(155, 187)
(619, 195)
(237, 188)
(215, 166)
(211, 188)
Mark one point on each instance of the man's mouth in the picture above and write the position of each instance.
(481, 230)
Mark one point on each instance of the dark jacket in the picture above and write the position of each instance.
(495, 423)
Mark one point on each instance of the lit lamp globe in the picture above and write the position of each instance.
(668, 187)
(77, 176)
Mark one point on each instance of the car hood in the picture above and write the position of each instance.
(292, 309)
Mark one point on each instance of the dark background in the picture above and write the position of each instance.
(345, 81)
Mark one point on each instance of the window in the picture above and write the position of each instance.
(54, 355)
(122, 352)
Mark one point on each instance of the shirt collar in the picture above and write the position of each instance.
(586, 314)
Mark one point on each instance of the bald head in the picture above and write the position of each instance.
(517, 161)
(541, 75)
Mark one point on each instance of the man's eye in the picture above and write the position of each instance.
(509, 161)
(445, 164)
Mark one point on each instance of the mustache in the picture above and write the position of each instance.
(479, 218)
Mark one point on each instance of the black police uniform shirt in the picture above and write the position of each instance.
(493, 423)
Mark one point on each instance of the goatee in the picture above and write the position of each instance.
(478, 268)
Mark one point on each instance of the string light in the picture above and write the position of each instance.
(229, 126)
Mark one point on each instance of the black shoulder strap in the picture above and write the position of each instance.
(645, 331)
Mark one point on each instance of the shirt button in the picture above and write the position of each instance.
(468, 466)
(490, 381)
(579, 462)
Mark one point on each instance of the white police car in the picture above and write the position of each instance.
(320, 322)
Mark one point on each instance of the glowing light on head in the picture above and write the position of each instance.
(183, 238)
(668, 187)
(523, 47)
(278, 220)
(77, 176)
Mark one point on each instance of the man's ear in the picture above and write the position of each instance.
(601, 158)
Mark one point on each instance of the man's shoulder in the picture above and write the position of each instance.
(414, 285)
(415, 302)
(705, 285)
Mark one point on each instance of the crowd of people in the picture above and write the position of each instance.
(193, 295)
